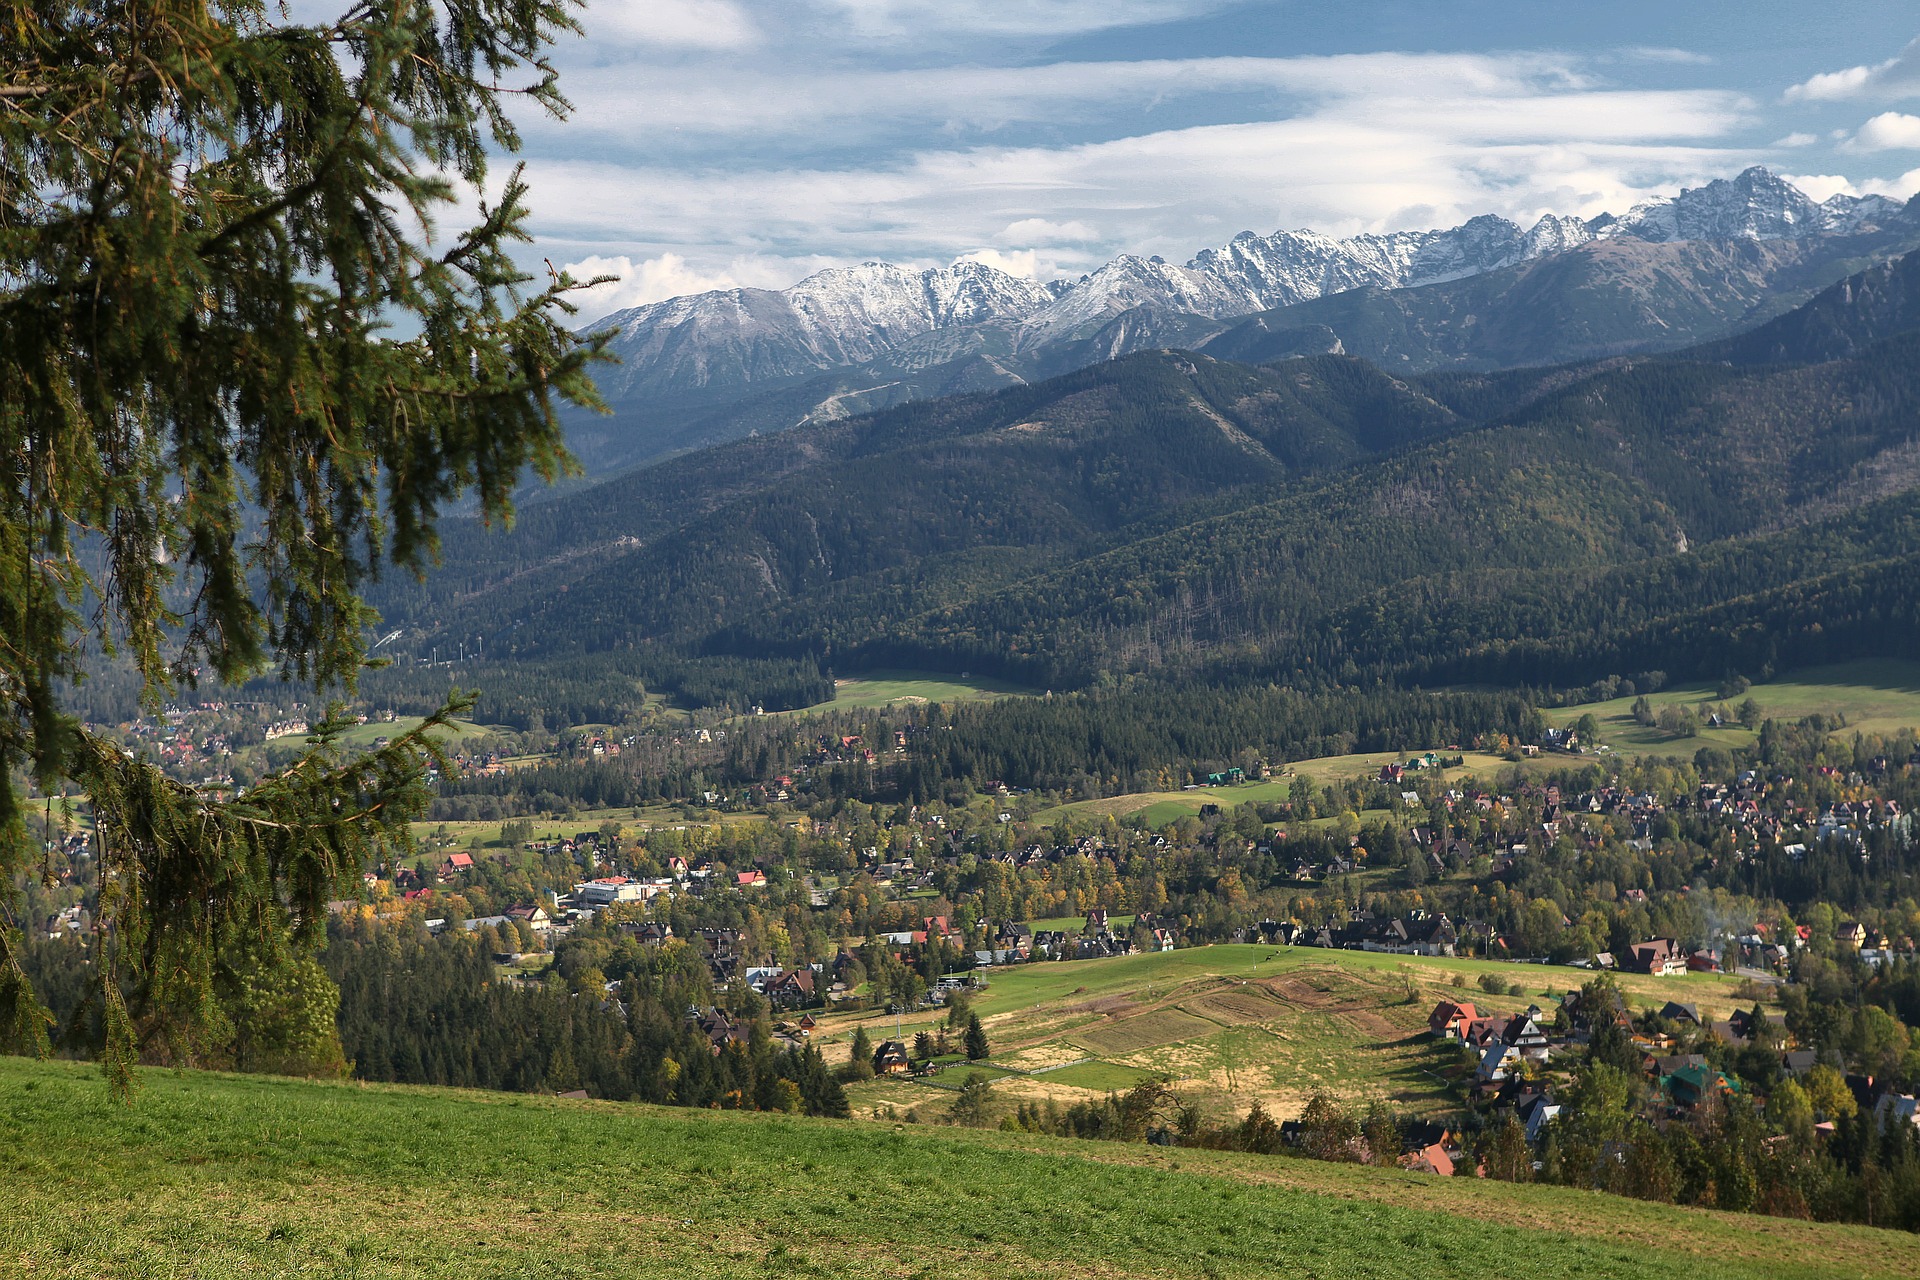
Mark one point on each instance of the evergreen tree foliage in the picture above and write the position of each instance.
(241, 373)
(976, 1039)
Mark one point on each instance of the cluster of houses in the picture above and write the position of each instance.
(1511, 1050)
(595, 746)
(1505, 1043)
(1758, 805)
(828, 750)
(1019, 943)
(1417, 933)
(722, 1029)
(531, 914)
(71, 922)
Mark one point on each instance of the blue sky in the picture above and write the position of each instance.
(749, 142)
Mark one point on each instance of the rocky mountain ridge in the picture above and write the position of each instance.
(710, 366)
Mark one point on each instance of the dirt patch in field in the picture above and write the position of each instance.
(1051, 1054)
(1128, 1035)
(1371, 1024)
(1236, 1004)
(1304, 990)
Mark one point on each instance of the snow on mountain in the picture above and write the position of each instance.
(1843, 215)
(840, 316)
(1757, 205)
(855, 315)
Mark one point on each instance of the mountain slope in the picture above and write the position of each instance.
(1625, 467)
(694, 543)
(1843, 320)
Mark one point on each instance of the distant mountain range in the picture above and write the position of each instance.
(1746, 503)
(1487, 294)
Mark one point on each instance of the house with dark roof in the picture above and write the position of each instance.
(1675, 1011)
(1797, 1062)
(890, 1058)
(1525, 1033)
(792, 989)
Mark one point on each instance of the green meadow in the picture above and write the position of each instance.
(885, 687)
(1879, 696)
(211, 1176)
(1158, 808)
(458, 731)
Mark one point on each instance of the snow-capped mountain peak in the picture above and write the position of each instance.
(1756, 205)
(846, 316)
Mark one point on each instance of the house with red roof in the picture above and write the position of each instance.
(1450, 1018)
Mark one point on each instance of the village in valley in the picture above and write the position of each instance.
(1321, 955)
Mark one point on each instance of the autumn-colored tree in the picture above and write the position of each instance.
(1327, 1132)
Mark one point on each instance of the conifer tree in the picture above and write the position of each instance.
(242, 370)
(860, 1062)
(976, 1039)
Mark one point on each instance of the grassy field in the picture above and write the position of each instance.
(486, 835)
(1876, 697)
(365, 735)
(1099, 1077)
(208, 1177)
(882, 688)
(1233, 1025)
(1076, 923)
(1159, 808)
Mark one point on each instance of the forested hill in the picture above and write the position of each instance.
(1048, 466)
(1313, 520)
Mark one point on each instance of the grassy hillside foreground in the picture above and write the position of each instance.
(213, 1176)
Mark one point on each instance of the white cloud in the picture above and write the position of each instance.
(690, 24)
(1904, 187)
(910, 18)
(1019, 262)
(1686, 57)
(1041, 231)
(1888, 131)
(757, 170)
(1348, 164)
(845, 105)
(638, 283)
(1897, 77)
(1822, 186)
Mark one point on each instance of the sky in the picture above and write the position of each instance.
(724, 143)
